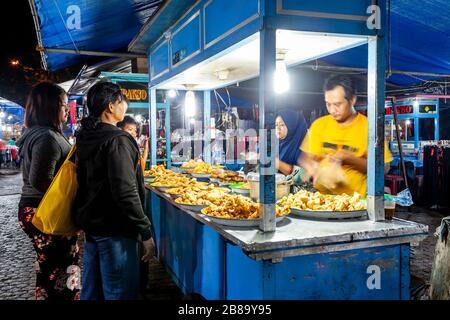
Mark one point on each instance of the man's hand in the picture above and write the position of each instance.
(149, 249)
(348, 159)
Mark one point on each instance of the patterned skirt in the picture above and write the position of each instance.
(57, 270)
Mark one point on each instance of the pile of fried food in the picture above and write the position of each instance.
(191, 164)
(195, 187)
(159, 170)
(315, 201)
(239, 207)
(211, 197)
(198, 166)
(172, 182)
(203, 168)
(227, 176)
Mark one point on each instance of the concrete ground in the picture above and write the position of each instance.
(17, 256)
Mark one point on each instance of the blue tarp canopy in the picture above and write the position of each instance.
(420, 30)
(91, 25)
(420, 41)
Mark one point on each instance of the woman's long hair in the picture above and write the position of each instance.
(44, 106)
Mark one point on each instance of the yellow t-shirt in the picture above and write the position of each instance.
(326, 136)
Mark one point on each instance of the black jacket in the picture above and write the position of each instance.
(111, 194)
(43, 151)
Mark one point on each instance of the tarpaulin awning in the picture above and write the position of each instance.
(420, 32)
(92, 25)
(420, 41)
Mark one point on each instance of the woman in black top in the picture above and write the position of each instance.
(110, 199)
(43, 149)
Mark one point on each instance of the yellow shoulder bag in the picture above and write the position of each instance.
(54, 213)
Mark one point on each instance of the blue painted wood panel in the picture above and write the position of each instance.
(344, 17)
(342, 275)
(231, 13)
(186, 39)
(159, 60)
(347, 7)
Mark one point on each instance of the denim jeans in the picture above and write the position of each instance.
(111, 269)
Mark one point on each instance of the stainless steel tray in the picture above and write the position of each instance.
(329, 215)
(200, 175)
(245, 192)
(238, 222)
(195, 208)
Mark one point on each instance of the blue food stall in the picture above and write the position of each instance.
(296, 258)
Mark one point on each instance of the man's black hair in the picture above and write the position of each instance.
(344, 81)
(100, 95)
(127, 120)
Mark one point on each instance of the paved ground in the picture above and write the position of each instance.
(17, 256)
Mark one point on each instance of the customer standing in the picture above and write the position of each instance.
(110, 199)
(43, 149)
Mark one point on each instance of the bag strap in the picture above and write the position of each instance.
(72, 152)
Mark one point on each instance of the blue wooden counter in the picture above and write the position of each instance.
(302, 259)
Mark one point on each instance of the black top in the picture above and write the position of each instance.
(43, 151)
(111, 194)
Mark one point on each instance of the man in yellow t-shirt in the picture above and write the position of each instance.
(340, 137)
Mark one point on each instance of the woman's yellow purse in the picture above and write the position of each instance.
(54, 213)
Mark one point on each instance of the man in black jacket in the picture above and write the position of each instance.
(110, 199)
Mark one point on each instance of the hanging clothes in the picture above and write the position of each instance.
(436, 172)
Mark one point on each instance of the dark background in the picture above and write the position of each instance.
(18, 41)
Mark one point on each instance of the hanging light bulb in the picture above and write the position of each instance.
(281, 79)
(172, 93)
(189, 103)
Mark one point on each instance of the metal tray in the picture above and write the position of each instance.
(163, 189)
(200, 175)
(190, 207)
(238, 222)
(245, 192)
(329, 215)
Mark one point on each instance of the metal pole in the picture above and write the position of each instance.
(91, 53)
(207, 126)
(153, 136)
(267, 107)
(375, 113)
(397, 134)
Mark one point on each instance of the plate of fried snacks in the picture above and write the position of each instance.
(196, 201)
(321, 206)
(158, 171)
(164, 183)
(226, 177)
(196, 187)
(239, 211)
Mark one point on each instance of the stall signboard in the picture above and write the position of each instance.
(135, 91)
(427, 108)
(400, 110)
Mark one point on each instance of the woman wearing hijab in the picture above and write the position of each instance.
(291, 128)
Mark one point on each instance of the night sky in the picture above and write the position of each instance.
(18, 41)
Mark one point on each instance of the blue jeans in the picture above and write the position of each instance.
(111, 269)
